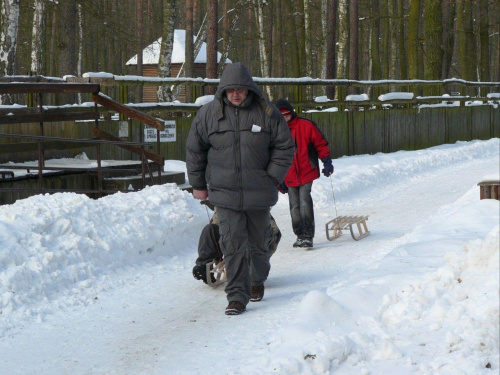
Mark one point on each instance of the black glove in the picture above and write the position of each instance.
(282, 188)
(327, 166)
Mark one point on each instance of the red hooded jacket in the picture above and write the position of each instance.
(310, 144)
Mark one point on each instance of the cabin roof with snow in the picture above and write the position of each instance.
(151, 54)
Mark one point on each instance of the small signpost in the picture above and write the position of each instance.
(167, 135)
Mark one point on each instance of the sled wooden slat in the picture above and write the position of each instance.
(340, 223)
(218, 270)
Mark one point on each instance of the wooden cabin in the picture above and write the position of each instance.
(151, 56)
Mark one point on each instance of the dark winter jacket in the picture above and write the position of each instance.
(239, 153)
(310, 144)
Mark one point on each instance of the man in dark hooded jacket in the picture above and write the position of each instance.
(239, 149)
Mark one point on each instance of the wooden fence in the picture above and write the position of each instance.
(358, 127)
(369, 132)
(348, 132)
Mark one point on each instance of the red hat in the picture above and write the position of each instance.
(285, 111)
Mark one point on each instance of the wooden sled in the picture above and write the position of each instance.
(340, 223)
(218, 271)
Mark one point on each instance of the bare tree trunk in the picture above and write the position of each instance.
(37, 37)
(139, 68)
(331, 55)
(196, 23)
(413, 22)
(225, 24)
(292, 49)
(484, 41)
(433, 48)
(421, 42)
(67, 48)
(167, 46)
(9, 16)
(248, 50)
(374, 42)
(466, 40)
(495, 41)
(228, 34)
(8, 37)
(264, 61)
(384, 38)
(393, 28)
(324, 34)
(365, 24)
(353, 43)
(448, 10)
(307, 47)
(279, 50)
(300, 34)
(53, 40)
(403, 56)
(268, 30)
(342, 39)
(80, 46)
(189, 57)
(212, 35)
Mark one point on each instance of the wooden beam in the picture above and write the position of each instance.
(135, 149)
(48, 88)
(127, 111)
(9, 148)
(48, 117)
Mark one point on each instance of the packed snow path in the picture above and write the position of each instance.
(155, 318)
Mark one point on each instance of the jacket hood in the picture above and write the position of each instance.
(283, 103)
(236, 75)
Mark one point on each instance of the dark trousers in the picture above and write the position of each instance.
(245, 238)
(302, 211)
(207, 244)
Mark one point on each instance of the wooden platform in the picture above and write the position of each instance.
(23, 181)
(489, 189)
(135, 182)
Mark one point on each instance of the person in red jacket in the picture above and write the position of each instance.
(310, 144)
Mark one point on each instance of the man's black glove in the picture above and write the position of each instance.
(327, 166)
(282, 188)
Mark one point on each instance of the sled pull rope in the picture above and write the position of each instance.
(340, 223)
(333, 193)
(208, 214)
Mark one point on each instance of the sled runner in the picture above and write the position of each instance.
(340, 223)
(217, 272)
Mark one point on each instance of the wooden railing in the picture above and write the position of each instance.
(21, 140)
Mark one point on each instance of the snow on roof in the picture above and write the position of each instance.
(151, 54)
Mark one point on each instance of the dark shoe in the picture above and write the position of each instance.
(306, 243)
(235, 308)
(257, 293)
(200, 273)
(298, 243)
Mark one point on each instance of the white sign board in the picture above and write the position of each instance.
(167, 135)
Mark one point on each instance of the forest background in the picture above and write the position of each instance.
(332, 39)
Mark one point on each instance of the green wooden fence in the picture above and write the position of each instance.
(369, 132)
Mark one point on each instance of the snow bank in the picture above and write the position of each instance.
(438, 289)
(59, 245)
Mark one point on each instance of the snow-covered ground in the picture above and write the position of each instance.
(105, 286)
